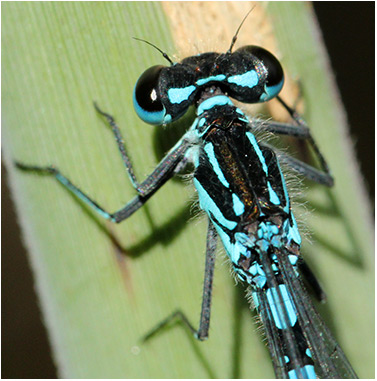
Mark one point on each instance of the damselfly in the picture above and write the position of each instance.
(242, 189)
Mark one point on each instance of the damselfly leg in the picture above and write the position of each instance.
(162, 173)
(205, 315)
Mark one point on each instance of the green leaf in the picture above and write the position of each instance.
(102, 287)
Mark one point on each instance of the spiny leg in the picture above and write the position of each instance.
(50, 170)
(162, 173)
(301, 122)
(121, 146)
(304, 169)
(205, 315)
(175, 158)
(311, 279)
(300, 131)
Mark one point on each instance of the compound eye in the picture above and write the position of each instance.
(271, 63)
(275, 74)
(146, 97)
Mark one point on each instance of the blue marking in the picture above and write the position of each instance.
(276, 241)
(225, 239)
(214, 78)
(208, 148)
(218, 100)
(306, 371)
(242, 116)
(237, 250)
(271, 91)
(201, 122)
(249, 79)
(273, 196)
(255, 299)
(267, 230)
(260, 281)
(292, 231)
(286, 358)
(311, 372)
(257, 150)
(274, 267)
(207, 204)
(244, 239)
(238, 206)
(260, 270)
(308, 353)
(277, 308)
(240, 249)
(178, 95)
(292, 374)
(293, 259)
(274, 229)
(239, 111)
(253, 270)
(263, 245)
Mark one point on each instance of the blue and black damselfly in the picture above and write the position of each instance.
(242, 189)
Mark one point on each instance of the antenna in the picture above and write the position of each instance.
(162, 52)
(234, 39)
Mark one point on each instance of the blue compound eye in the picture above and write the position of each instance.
(146, 97)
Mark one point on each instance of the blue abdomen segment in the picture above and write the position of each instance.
(306, 371)
(279, 315)
(277, 307)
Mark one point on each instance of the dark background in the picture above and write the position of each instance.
(348, 29)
